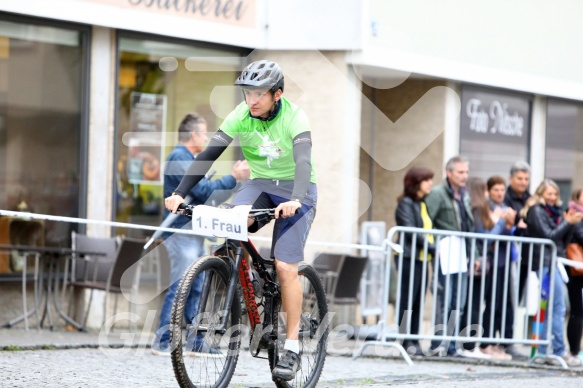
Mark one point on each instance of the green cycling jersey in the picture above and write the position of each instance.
(268, 145)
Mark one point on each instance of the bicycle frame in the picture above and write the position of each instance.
(240, 272)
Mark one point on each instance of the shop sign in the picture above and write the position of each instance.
(145, 138)
(235, 12)
(495, 116)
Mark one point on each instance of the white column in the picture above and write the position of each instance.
(451, 133)
(101, 145)
(351, 153)
(101, 128)
(538, 141)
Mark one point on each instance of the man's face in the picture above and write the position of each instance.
(260, 101)
(458, 176)
(519, 182)
(497, 192)
(199, 138)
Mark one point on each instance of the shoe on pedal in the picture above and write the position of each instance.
(287, 366)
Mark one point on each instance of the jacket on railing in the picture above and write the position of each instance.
(542, 225)
(408, 213)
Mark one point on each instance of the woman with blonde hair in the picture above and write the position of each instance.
(544, 219)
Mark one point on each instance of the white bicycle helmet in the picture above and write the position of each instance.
(262, 74)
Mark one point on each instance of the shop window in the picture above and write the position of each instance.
(564, 145)
(159, 82)
(494, 129)
(42, 121)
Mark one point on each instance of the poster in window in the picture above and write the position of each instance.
(145, 138)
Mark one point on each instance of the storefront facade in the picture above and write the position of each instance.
(92, 91)
(143, 65)
(382, 94)
(446, 79)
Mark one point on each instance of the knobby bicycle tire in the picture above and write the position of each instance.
(312, 347)
(205, 369)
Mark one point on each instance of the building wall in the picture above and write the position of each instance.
(402, 127)
(520, 45)
(265, 24)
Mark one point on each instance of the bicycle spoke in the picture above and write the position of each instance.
(210, 354)
(313, 330)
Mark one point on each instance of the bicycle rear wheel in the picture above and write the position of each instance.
(313, 334)
(203, 356)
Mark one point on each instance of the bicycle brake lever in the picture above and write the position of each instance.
(185, 210)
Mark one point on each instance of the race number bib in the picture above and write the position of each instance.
(225, 223)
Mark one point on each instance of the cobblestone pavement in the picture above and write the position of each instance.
(74, 360)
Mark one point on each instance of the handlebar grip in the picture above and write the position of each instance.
(296, 213)
(182, 206)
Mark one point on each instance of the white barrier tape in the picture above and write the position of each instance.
(116, 224)
(93, 222)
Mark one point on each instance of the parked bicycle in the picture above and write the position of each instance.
(238, 280)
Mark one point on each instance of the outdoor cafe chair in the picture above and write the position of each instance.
(328, 266)
(104, 273)
(341, 275)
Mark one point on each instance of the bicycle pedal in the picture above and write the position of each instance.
(263, 358)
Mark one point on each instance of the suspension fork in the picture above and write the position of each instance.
(231, 290)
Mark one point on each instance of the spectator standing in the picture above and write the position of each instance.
(449, 208)
(412, 212)
(496, 193)
(575, 285)
(496, 221)
(544, 220)
(183, 249)
(516, 197)
(517, 193)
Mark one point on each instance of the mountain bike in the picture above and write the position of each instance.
(238, 280)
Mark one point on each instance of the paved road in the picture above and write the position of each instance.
(72, 359)
(137, 367)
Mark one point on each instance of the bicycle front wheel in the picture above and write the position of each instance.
(205, 341)
(313, 331)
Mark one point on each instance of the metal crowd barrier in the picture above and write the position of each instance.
(465, 304)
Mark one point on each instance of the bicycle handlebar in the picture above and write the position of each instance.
(186, 210)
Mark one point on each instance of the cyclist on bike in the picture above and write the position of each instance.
(276, 141)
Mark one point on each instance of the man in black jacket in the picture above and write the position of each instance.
(516, 196)
(517, 192)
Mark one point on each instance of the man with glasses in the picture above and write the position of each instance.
(276, 140)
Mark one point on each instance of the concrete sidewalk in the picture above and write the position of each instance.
(64, 358)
